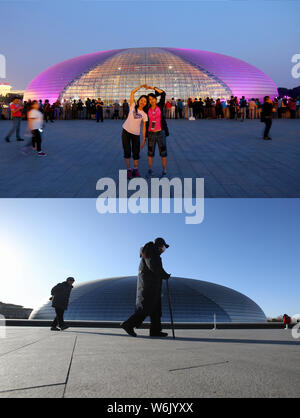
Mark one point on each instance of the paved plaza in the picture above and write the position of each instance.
(89, 362)
(230, 155)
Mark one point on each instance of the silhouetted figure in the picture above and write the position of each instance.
(60, 295)
(266, 116)
(148, 297)
(99, 110)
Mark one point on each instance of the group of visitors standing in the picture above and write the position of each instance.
(198, 108)
(241, 109)
(77, 109)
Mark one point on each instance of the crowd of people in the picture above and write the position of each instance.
(197, 108)
(238, 109)
(148, 113)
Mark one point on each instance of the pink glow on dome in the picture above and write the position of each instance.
(241, 78)
(50, 83)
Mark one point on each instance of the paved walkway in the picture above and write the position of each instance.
(230, 155)
(83, 362)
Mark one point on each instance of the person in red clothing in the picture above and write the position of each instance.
(168, 109)
(292, 107)
(16, 108)
(286, 320)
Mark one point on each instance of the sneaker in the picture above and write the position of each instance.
(42, 154)
(267, 137)
(158, 334)
(7, 139)
(20, 139)
(163, 174)
(54, 329)
(129, 174)
(129, 330)
(64, 327)
(136, 173)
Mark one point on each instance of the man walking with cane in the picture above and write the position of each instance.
(60, 295)
(148, 297)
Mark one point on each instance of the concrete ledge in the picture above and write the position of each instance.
(181, 325)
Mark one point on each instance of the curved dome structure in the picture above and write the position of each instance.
(182, 73)
(113, 299)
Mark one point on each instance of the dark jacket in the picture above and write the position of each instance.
(61, 294)
(161, 105)
(150, 277)
(267, 111)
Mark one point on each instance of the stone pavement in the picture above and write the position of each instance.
(86, 362)
(230, 155)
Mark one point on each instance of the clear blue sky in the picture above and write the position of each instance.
(37, 34)
(251, 245)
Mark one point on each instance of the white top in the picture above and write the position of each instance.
(133, 122)
(36, 119)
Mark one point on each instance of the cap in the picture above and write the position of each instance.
(160, 242)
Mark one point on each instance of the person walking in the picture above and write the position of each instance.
(16, 116)
(60, 295)
(131, 132)
(266, 116)
(35, 125)
(149, 285)
(286, 319)
(99, 110)
(157, 129)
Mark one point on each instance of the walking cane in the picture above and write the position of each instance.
(170, 308)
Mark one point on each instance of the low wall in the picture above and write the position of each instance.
(116, 324)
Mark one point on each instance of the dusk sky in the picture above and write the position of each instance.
(36, 34)
(250, 245)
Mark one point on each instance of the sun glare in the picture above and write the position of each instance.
(11, 273)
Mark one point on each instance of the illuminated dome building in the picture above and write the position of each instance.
(113, 299)
(182, 73)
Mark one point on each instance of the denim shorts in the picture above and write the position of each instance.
(160, 139)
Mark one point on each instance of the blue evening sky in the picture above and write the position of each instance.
(37, 34)
(251, 245)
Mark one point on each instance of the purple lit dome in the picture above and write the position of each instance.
(182, 73)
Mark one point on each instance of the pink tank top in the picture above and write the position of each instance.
(154, 116)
